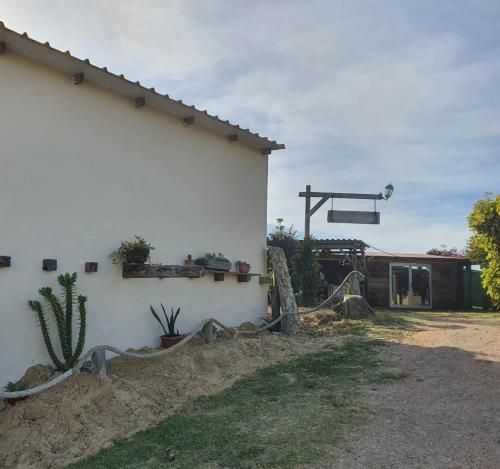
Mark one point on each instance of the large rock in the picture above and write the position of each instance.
(354, 307)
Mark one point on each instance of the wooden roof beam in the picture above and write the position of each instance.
(139, 102)
(232, 138)
(188, 120)
(78, 78)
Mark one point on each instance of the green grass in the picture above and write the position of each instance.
(282, 416)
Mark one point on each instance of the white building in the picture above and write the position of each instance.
(87, 160)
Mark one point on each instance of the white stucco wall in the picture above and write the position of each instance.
(81, 170)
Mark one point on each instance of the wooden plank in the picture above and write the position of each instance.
(341, 195)
(162, 271)
(353, 216)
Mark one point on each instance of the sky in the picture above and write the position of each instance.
(362, 93)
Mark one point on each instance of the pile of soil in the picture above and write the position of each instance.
(82, 415)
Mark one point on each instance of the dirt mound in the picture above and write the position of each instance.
(83, 415)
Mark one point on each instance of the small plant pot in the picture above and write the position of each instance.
(168, 341)
(244, 267)
(136, 256)
(14, 400)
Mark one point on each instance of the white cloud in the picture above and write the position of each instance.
(362, 93)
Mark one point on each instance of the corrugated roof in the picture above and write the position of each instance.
(340, 243)
(414, 256)
(64, 61)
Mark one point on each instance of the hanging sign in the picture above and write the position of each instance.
(353, 216)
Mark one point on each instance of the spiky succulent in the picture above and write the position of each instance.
(63, 314)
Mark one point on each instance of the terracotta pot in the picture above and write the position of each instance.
(168, 340)
(136, 256)
(244, 267)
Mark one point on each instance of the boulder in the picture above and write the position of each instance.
(354, 307)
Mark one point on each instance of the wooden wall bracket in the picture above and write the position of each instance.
(49, 264)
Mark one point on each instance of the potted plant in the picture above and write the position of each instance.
(132, 252)
(213, 261)
(171, 336)
(243, 267)
(14, 387)
(189, 260)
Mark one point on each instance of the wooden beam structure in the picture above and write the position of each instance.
(325, 196)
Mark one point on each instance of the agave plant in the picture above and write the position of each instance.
(170, 321)
(63, 313)
(15, 386)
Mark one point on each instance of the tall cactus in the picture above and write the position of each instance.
(63, 313)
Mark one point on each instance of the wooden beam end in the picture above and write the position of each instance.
(188, 120)
(139, 102)
(78, 78)
(3, 47)
(232, 138)
(266, 151)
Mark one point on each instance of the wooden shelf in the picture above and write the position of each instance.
(179, 271)
(161, 271)
(241, 278)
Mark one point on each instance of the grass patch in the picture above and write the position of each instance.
(282, 416)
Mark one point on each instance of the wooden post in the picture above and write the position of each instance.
(98, 361)
(355, 288)
(209, 333)
(307, 224)
(275, 307)
(284, 283)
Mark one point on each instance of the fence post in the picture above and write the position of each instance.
(98, 361)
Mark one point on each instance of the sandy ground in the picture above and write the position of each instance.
(446, 413)
(83, 415)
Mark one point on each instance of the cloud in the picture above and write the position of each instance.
(362, 93)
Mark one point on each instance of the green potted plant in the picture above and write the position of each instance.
(243, 267)
(132, 252)
(171, 336)
(213, 261)
(14, 387)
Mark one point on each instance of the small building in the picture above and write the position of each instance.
(416, 281)
(397, 280)
(89, 159)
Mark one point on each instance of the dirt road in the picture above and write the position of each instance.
(446, 412)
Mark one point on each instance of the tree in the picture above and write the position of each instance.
(306, 273)
(444, 251)
(285, 238)
(484, 244)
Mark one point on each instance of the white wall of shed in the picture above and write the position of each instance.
(81, 170)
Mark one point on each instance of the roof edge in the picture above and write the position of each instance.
(66, 62)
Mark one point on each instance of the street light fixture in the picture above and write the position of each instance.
(389, 189)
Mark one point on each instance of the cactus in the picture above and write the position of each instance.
(63, 313)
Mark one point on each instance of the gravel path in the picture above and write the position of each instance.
(446, 413)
